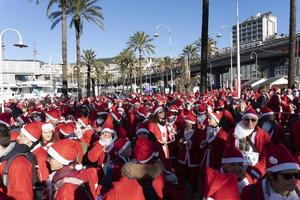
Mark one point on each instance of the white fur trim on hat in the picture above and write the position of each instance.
(51, 117)
(3, 122)
(141, 114)
(108, 130)
(82, 122)
(250, 115)
(189, 121)
(266, 114)
(142, 130)
(233, 160)
(124, 147)
(54, 154)
(64, 133)
(28, 135)
(102, 113)
(215, 118)
(158, 109)
(148, 159)
(47, 127)
(283, 166)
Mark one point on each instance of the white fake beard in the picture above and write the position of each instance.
(105, 142)
(171, 119)
(201, 118)
(241, 131)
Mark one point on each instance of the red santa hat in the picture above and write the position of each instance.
(173, 108)
(102, 109)
(116, 116)
(217, 116)
(108, 126)
(6, 119)
(142, 112)
(120, 145)
(265, 111)
(231, 154)
(33, 131)
(201, 109)
(144, 150)
(67, 129)
(276, 89)
(279, 158)
(157, 109)
(54, 114)
(64, 151)
(84, 121)
(47, 126)
(219, 104)
(142, 127)
(190, 118)
(250, 113)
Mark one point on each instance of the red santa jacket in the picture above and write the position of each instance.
(97, 154)
(19, 179)
(188, 153)
(219, 186)
(42, 157)
(211, 153)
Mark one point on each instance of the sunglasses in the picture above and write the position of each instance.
(289, 176)
(250, 119)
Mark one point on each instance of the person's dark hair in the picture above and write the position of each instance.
(4, 135)
(271, 176)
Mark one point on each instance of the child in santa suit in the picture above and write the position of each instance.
(280, 182)
(188, 156)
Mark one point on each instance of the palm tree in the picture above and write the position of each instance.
(99, 73)
(80, 10)
(292, 43)
(63, 5)
(204, 46)
(211, 46)
(189, 53)
(89, 59)
(141, 42)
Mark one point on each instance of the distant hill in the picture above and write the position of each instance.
(106, 61)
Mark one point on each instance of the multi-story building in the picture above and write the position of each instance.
(258, 28)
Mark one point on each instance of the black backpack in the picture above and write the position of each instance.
(23, 150)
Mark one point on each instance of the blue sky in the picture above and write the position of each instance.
(124, 17)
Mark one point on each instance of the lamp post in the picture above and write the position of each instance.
(20, 44)
(231, 51)
(251, 57)
(210, 82)
(51, 68)
(238, 50)
(170, 48)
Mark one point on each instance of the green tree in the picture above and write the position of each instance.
(211, 46)
(292, 44)
(140, 42)
(80, 10)
(89, 58)
(63, 6)
(204, 45)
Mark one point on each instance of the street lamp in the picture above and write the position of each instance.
(210, 77)
(170, 48)
(238, 50)
(20, 44)
(51, 68)
(220, 35)
(251, 57)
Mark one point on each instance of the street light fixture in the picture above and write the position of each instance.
(20, 44)
(231, 51)
(170, 48)
(251, 57)
(238, 50)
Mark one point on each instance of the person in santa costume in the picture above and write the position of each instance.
(20, 183)
(67, 181)
(280, 182)
(251, 140)
(188, 154)
(267, 121)
(233, 163)
(48, 135)
(143, 179)
(275, 103)
(212, 142)
(30, 135)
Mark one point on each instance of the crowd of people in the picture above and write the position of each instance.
(152, 147)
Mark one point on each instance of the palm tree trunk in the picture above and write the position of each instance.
(93, 87)
(204, 45)
(78, 63)
(88, 81)
(64, 49)
(98, 84)
(130, 74)
(292, 45)
(140, 66)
